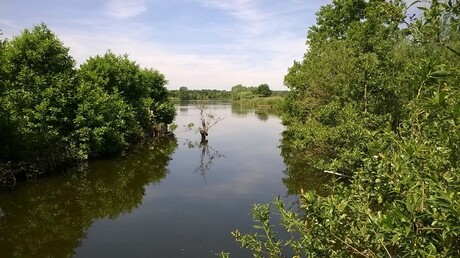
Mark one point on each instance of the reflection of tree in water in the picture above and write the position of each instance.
(207, 156)
(239, 108)
(50, 217)
(262, 115)
(300, 174)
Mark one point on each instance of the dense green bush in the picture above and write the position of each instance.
(52, 113)
(377, 99)
(39, 87)
(118, 103)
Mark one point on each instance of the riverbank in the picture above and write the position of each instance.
(263, 102)
(260, 102)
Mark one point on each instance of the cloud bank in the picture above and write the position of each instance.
(195, 43)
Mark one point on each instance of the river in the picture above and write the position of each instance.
(170, 197)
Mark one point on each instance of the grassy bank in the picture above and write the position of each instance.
(262, 102)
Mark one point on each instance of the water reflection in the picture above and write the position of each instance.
(67, 215)
(262, 113)
(208, 155)
(239, 108)
(50, 217)
(300, 174)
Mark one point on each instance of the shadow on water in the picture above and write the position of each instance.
(50, 218)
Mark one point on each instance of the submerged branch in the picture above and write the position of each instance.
(337, 174)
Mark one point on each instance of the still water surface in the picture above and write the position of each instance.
(169, 198)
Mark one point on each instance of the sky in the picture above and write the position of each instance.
(199, 44)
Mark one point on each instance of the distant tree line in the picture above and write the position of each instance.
(240, 92)
(52, 113)
(204, 94)
(237, 92)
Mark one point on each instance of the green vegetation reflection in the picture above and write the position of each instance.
(49, 218)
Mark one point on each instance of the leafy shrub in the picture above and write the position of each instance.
(380, 103)
(52, 114)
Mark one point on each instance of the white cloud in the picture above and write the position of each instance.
(248, 61)
(192, 46)
(125, 8)
(245, 11)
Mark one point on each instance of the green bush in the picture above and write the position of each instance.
(38, 97)
(380, 103)
(52, 114)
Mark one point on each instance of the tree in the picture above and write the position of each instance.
(263, 90)
(207, 121)
(334, 20)
(339, 90)
(2, 62)
(119, 103)
(105, 124)
(4, 130)
(52, 115)
(236, 90)
(183, 93)
(38, 99)
(376, 102)
(161, 111)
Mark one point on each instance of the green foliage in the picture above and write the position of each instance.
(186, 94)
(265, 104)
(119, 103)
(339, 90)
(183, 93)
(240, 92)
(70, 203)
(52, 114)
(38, 102)
(261, 244)
(160, 110)
(104, 123)
(263, 90)
(377, 101)
(243, 95)
(4, 130)
(404, 202)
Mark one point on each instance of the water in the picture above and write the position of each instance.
(168, 198)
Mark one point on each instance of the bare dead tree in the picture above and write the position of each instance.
(208, 120)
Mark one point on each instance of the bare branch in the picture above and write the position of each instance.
(208, 120)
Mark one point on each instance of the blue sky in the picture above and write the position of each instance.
(200, 44)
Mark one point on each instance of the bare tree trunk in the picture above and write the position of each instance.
(203, 129)
(203, 133)
(208, 120)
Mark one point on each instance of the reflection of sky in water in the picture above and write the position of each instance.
(190, 215)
